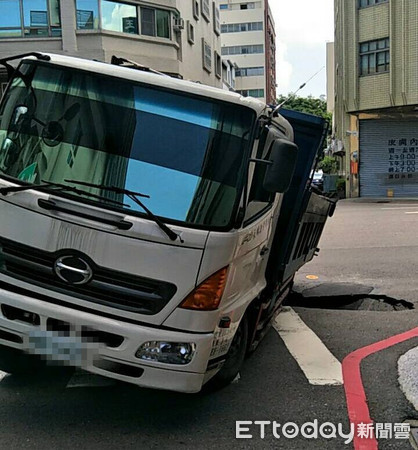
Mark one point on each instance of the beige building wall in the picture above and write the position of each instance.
(235, 15)
(330, 77)
(190, 54)
(177, 55)
(384, 94)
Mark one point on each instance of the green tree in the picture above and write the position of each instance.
(328, 165)
(309, 105)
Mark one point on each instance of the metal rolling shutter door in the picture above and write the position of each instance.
(386, 162)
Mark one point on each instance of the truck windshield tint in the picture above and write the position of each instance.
(187, 153)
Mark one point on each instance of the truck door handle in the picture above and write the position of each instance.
(52, 206)
(264, 251)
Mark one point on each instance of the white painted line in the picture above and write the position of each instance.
(317, 363)
(408, 375)
(86, 379)
(399, 207)
(412, 212)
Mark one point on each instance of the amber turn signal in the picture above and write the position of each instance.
(207, 295)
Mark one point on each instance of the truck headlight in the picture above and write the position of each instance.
(166, 352)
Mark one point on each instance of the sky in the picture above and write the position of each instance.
(302, 29)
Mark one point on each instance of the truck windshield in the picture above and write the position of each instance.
(187, 153)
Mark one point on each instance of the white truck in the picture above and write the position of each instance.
(150, 227)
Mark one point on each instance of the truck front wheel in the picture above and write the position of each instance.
(234, 358)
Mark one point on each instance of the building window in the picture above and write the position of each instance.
(216, 19)
(364, 3)
(29, 18)
(123, 18)
(250, 72)
(258, 93)
(155, 22)
(87, 14)
(238, 27)
(119, 17)
(206, 10)
(225, 72)
(218, 65)
(250, 5)
(206, 56)
(190, 32)
(148, 22)
(374, 57)
(196, 9)
(55, 17)
(243, 49)
(224, 6)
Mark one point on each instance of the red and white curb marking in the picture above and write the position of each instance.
(358, 411)
(408, 375)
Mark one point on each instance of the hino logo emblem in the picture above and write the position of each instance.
(73, 270)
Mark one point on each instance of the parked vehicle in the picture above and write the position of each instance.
(150, 227)
(318, 179)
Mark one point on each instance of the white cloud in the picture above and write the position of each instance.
(284, 68)
(302, 28)
(112, 15)
(307, 21)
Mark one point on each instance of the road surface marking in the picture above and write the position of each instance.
(358, 411)
(86, 379)
(412, 212)
(312, 277)
(399, 207)
(317, 363)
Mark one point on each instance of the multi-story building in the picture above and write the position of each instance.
(229, 69)
(376, 95)
(178, 37)
(248, 39)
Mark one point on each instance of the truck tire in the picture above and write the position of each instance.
(234, 359)
(16, 362)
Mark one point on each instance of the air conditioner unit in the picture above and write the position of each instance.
(178, 24)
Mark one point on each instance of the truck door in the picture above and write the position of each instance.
(253, 247)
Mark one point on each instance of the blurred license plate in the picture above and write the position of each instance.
(70, 350)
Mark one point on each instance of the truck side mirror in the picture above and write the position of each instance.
(283, 162)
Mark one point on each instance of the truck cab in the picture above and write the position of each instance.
(138, 222)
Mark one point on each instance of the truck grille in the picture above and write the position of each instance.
(107, 287)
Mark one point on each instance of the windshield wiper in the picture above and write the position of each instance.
(60, 188)
(134, 197)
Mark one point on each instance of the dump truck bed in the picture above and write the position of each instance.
(304, 210)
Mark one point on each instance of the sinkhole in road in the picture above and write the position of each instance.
(345, 296)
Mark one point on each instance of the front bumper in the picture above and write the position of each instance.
(182, 378)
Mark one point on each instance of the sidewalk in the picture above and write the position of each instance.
(380, 200)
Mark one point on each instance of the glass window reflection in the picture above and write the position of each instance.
(185, 152)
(119, 17)
(54, 13)
(40, 18)
(87, 14)
(9, 14)
(35, 13)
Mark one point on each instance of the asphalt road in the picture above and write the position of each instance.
(373, 244)
(363, 245)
